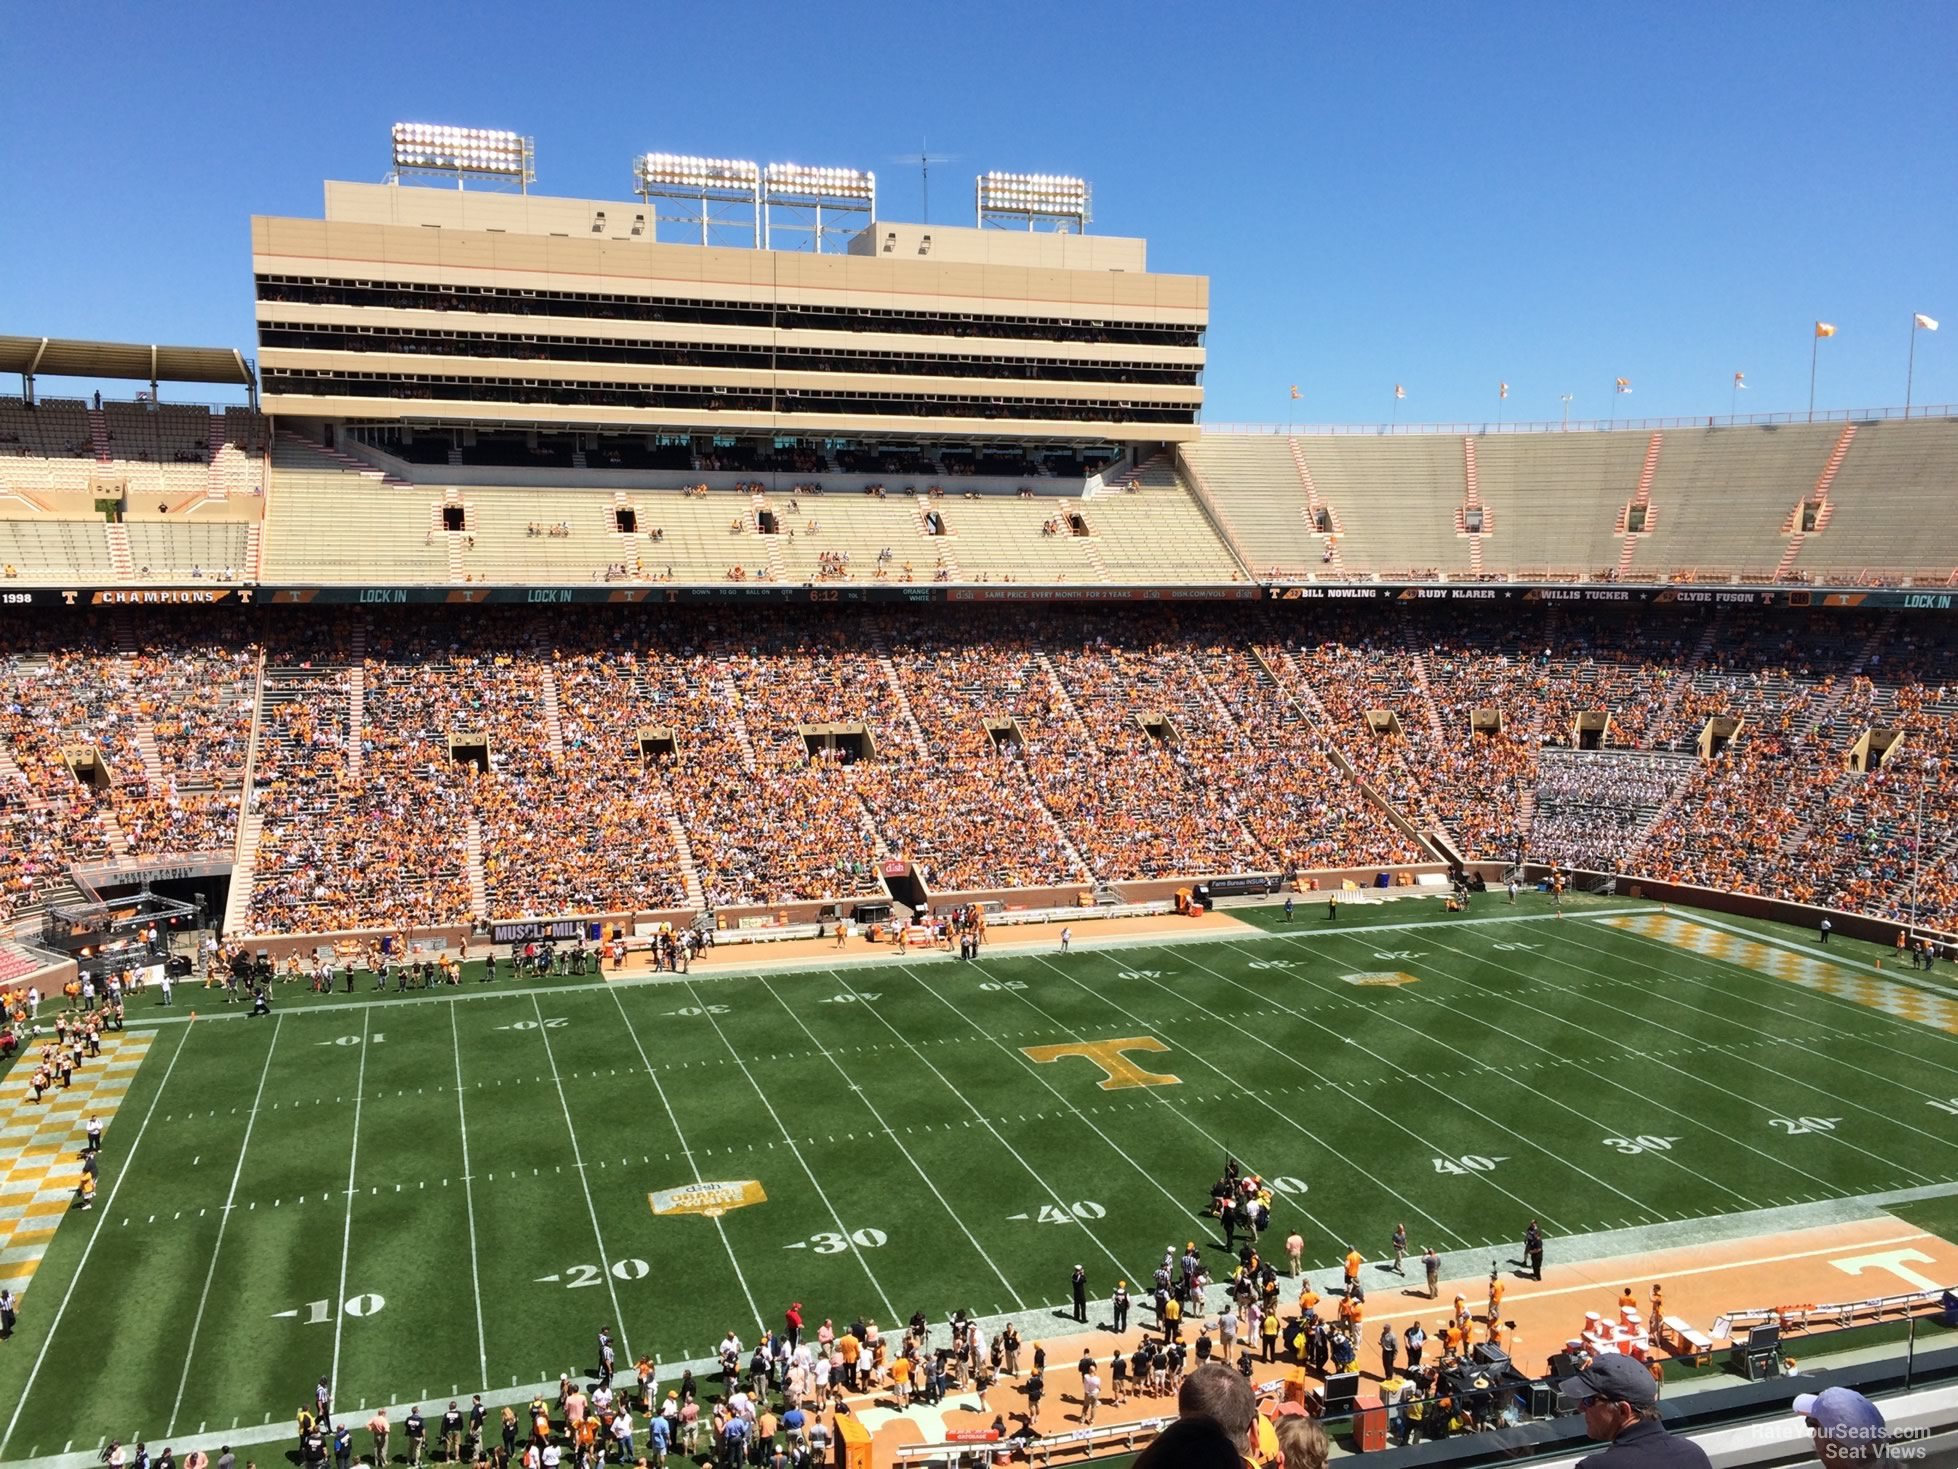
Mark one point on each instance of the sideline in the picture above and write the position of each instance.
(497, 989)
(1053, 1320)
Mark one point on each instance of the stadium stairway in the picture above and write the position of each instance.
(553, 717)
(478, 878)
(1472, 500)
(737, 719)
(1313, 505)
(1819, 497)
(884, 661)
(357, 701)
(689, 870)
(1682, 678)
(1664, 809)
(1425, 685)
(121, 559)
(98, 436)
(1642, 497)
(1077, 726)
(145, 734)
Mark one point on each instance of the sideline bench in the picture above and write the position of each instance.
(1686, 1342)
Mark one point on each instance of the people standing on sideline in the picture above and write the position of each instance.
(1389, 1350)
(1417, 1342)
(1431, 1262)
(1400, 1249)
(1067, 938)
(1120, 1303)
(1295, 1251)
(1080, 1284)
(1288, 907)
(1533, 1249)
(1825, 928)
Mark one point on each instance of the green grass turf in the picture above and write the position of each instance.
(501, 1142)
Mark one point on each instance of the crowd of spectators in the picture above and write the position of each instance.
(75, 721)
(783, 754)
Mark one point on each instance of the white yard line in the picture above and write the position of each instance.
(1916, 1030)
(1458, 1014)
(687, 1152)
(1155, 1094)
(66, 1296)
(224, 1220)
(578, 1162)
(1832, 1096)
(891, 1132)
(347, 1227)
(1353, 1095)
(469, 1197)
(1032, 1071)
(835, 1218)
(1914, 978)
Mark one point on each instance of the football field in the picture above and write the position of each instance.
(448, 1192)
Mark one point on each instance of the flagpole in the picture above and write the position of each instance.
(1814, 342)
(1910, 371)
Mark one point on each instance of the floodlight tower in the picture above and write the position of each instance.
(464, 153)
(801, 194)
(1008, 200)
(725, 193)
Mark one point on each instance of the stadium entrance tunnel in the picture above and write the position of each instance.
(470, 749)
(86, 764)
(902, 882)
(846, 743)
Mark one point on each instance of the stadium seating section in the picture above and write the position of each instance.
(366, 768)
(494, 762)
(189, 481)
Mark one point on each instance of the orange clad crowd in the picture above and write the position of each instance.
(493, 762)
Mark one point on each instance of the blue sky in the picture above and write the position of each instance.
(1442, 195)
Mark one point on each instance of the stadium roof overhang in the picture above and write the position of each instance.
(70, 357)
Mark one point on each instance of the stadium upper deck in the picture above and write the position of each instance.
(454, 307)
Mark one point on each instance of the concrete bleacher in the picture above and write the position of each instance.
(995, 539)
(1721, 496)
(1395, 499)
(335, 525)
(177, 548)
(859, 526)
(694, 544)
(1255, 485)
(1553, 500)
(1157, 532)
(1891, 503)
(158, 432)
(51, 428)
(44, 550)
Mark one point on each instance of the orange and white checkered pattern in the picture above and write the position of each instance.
(1901, 1000)
(41, 1148)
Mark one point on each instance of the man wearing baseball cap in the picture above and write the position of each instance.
(1620, 1403)
(1848, 1427)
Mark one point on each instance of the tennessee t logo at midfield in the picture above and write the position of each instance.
(1119, 1071)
